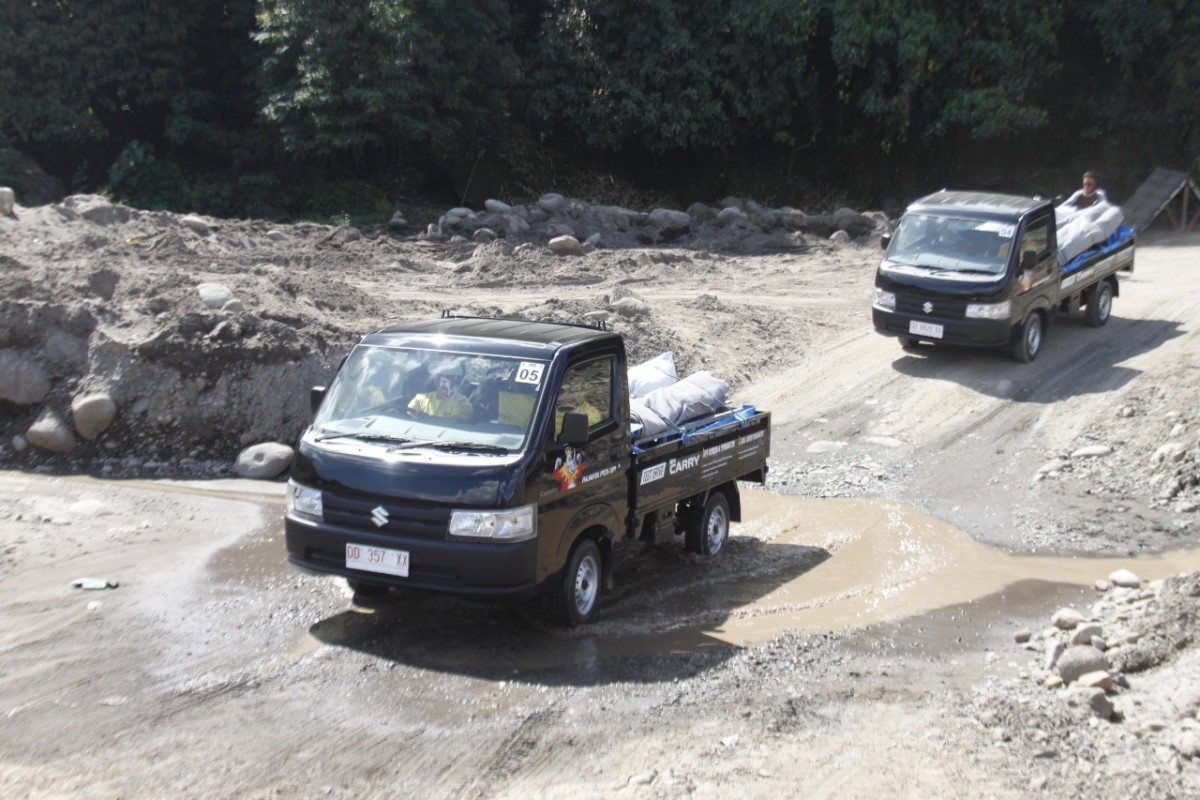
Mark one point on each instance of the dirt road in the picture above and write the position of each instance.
(855, 641)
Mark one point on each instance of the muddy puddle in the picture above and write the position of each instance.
(793, 565)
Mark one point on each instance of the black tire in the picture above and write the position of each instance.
(708, 531)
(1033, 332)
(578, 591)
(1099, 304)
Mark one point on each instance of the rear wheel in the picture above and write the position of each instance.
(579, 589)
(1030, 344)
(1099, 304)
(708, 531)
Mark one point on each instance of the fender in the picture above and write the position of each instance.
(595, 515)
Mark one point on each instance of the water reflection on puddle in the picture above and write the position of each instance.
(793, 564)
(888, 560)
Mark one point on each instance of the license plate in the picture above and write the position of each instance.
(925, 329)
(377, 559)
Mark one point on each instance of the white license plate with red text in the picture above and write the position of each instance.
(925, 329)
(377, 559)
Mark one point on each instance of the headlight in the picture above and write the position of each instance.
(885, 300)
(304, 501)
(509, 525)
(989, 310)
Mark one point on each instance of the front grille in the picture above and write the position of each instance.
(914, 305)
(402, 516)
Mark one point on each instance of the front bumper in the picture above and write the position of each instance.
(501, 570)
(956, 331)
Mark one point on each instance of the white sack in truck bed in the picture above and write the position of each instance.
(699, 394)
(1079, 229)
(653, 374)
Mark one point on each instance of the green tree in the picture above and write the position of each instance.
(1143, 85)
(75, 72)
(384, 77)
(669, 75)
(930, 70)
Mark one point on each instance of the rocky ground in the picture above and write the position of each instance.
(138, 345)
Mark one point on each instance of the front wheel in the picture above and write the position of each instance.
(708, 532)
(579, 589)
(1030, 344)
(1099, 304)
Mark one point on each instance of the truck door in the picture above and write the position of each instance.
(1037, 264)
(585, 483)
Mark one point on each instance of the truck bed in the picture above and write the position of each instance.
(708, 452)
(1120, 241)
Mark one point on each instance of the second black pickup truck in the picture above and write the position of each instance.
(496, 458)
(977, 269)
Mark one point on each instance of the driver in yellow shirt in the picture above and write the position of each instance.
(575, 402)
(445, 401)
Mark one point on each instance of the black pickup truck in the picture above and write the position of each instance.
(519, 480)
(985, 270)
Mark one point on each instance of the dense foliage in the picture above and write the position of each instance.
(323, 107)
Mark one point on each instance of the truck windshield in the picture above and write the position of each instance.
(409, 397)
(958, 244)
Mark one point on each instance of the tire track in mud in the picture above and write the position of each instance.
(516, 754)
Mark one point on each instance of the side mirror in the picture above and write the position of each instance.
(316, 395)
(1029, 260)
(574, 428)
(885, 240)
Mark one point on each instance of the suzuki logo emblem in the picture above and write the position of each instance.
(928, 307)
(379, 516)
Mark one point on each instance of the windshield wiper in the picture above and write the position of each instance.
(366, 437)
(488, 448)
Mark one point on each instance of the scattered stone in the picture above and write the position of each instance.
(1083, 633)
(1079, 660)
(631, 307)
(564, 244)
(1096, 700)
(1022, 636)
(1124, 578)
(8, 201)
(1187, 744)
(92, 414)
(49, 432)
(1067, 619)
(552, 202)
(1092, 451)
(195, 223)
(22, 380)
(214, 295)
(276, 236)
(264, 461)
(1100, 679)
